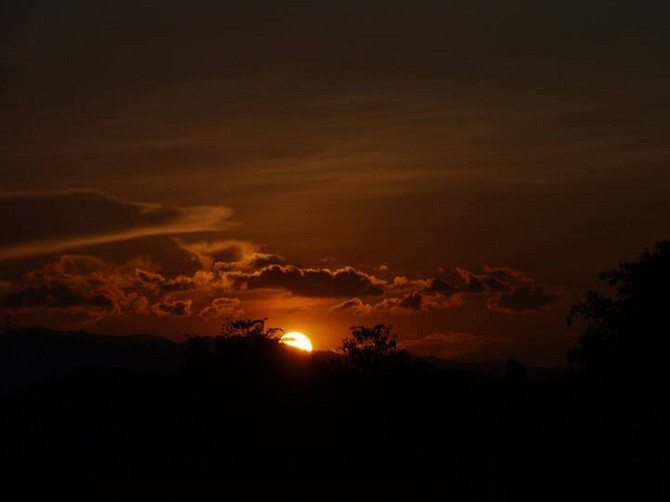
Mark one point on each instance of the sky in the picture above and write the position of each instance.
(459, 170)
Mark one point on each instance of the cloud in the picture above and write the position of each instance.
(491, 280)
(354, 306)
(156, 281)
(253, 261)
(524, 298)
(88, 288)
(98, 289)
(417, 302)
(210, 252)
(413, 297)
(220, 307)
(173, 307)
(54, 222)
(76, 282)
(510, 290)
(59, 294)
(261, 260)
(410, 303)
(311, 282)
(402, 283)
(230, 255)
(440, 286)
(92, 288)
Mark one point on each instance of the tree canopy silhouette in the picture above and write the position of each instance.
(373, 347)
(240, 342)
(378, 340)
(628, 333)
(249, 328)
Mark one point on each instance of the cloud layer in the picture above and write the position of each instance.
(312, 282)
(96, 289)
(507, 290)
(90, 285)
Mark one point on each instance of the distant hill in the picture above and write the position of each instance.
(32, 356)
(36, 355)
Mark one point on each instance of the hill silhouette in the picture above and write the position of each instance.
(37, 355)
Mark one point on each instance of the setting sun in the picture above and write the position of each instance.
(297, 340)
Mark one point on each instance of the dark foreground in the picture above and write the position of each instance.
(144, 404)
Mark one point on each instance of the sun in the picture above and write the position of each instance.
(297, 340)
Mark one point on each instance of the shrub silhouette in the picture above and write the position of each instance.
(628, 333)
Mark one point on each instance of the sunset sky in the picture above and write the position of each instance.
(459, 170)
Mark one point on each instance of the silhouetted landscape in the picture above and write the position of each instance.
(242, 399)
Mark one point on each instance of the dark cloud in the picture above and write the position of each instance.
(524, 298)
(416, 302)
(74, 282)
(411, 301)
(58, 294)
(509, 290)
(354, 306)
(321, 282)
(440, 286)
(99, 289)
(220, 307)
(491, 280)
(172, 307)
(53, 222)
(420, 295)
(47, 215)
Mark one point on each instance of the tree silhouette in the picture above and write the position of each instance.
(628, 333)
(240, 342)
(249, 328)
(374, 347)
(378, 340)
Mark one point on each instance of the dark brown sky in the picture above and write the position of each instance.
(204, 159)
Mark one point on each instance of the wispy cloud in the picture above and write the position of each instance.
(44, 223)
